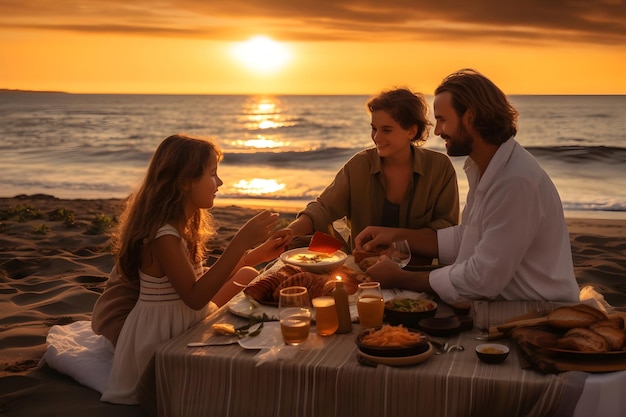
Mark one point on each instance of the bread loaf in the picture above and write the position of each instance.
(574, 316)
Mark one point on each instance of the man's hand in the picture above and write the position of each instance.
(373, 237)
(384, 271)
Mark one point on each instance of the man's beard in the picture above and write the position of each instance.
(459, 144)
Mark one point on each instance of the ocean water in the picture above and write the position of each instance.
(280, 150)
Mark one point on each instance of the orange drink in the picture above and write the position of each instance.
(294, 314)
(295, 328)
(371, 310)
(326, 320)
(370, 304)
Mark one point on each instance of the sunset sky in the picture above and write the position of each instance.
(321, 47)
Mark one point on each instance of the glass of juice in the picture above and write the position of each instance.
(294, 314)
(370, 304)
(326, 320)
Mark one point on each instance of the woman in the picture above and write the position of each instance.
(396, 183)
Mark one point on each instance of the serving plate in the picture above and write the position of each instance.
(313, 261)
(399, 361)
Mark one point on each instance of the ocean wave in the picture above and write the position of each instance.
(603, 154)
(290, 158)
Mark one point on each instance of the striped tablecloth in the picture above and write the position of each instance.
(324, 378)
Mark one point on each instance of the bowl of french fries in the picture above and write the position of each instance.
(392, 341)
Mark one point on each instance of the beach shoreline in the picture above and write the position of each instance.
(55, 259)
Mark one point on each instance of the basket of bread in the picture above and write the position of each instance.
(572, 330)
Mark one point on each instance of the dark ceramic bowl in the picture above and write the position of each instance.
(408, 312)
(392, 351)
(440, 326)
(492, 352)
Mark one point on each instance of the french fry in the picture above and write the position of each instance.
(391, 336)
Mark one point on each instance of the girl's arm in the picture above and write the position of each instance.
(175, 263)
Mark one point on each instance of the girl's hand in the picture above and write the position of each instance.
(284, 236)
(256, 230)
(268, 250)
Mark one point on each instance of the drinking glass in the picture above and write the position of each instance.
(370, 304)
(400, 252)
(326, 319)
(294, 314)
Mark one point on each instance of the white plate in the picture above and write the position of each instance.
(313, 261)
(400, 361)
(269, 337)
(240, 306)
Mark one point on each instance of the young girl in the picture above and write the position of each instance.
(161, 244)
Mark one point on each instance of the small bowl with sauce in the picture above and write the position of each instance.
(492, 352)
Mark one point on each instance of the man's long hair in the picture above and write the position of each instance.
(493, 116)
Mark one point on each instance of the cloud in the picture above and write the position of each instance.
(595, 22)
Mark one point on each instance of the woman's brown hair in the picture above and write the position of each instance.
(405, 107)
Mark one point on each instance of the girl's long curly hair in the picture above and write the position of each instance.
(160, 200)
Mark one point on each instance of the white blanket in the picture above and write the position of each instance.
(75, 350)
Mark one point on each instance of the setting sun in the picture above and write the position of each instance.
(261, 54)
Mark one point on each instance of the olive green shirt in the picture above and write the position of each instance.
(358, 193)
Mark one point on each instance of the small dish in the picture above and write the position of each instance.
(400, 361)
(440, 326)
(492, 352)
(314, 261)
(409, 311)
(393, 351)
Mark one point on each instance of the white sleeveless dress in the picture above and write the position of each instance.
(158, 316)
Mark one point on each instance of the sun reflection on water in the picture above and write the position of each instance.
(260, 143)
(258, 186)
(262, 113)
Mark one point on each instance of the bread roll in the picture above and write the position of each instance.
(367, 262)
(615, 337)
(583, 340)
(359, 255)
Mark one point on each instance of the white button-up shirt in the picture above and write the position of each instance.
(513, 242)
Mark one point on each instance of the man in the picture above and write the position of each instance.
(513, 242)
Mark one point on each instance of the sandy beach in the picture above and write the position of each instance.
(55, 260)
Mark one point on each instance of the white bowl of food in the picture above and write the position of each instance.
(314, 261)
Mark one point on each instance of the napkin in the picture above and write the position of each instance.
(286, 352)
(321, 242)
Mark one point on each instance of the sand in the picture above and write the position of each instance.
(55, 260)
